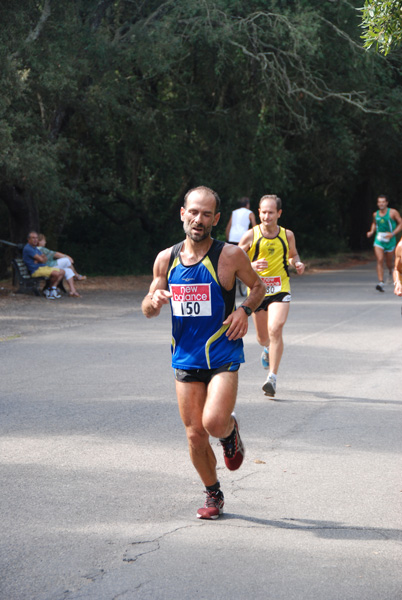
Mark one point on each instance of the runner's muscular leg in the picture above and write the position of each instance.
(390, 259)
(260, 319)
(191, 398)
(221, 399)
(277, 316)
(379, 254)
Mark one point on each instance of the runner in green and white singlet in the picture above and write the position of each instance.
(387, 222)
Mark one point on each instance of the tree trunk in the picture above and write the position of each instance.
(24, 215)
(361, 216)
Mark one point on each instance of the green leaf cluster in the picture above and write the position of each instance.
(382, 22)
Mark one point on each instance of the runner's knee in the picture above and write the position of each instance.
(196, 438)
(275, 331)
(262, 338)
(216, 425)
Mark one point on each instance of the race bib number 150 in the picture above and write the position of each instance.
(191, 300)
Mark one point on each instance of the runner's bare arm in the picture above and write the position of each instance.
(294, 258)
(249, 277)
(372, 228)
(394, 214)
(245, 244)
(253, 220)
(158, 294)
(228, 226)
(246, 240)
(238, 320)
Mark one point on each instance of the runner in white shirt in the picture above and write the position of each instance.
(240, 221)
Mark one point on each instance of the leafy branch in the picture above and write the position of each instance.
(382, 21)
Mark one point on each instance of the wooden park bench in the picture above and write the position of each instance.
(26, 283)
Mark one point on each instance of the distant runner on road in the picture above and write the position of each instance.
(240, 221)
(271, 249)
(387, 222)
(198, 278)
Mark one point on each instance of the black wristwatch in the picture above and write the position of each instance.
(246, 309)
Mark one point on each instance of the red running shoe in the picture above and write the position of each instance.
(233, 449)
(213, 506)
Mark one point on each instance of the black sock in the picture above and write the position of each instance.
(229, 438)
(213, 488)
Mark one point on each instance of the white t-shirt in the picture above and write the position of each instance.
(240, 224)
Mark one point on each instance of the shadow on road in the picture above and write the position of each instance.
(323, 529)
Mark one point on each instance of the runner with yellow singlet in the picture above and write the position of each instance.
(271, 250)
(276, 275)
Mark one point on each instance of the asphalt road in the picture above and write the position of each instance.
(98, 495)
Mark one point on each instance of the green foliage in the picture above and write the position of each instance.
(382, 21)
(111, 110)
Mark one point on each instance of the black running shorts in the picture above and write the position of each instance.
(203, 375)
(282, 297)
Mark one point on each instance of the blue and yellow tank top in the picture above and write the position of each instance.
(276, 253)
(199, 306)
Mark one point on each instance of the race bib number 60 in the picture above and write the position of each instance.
(191, 300)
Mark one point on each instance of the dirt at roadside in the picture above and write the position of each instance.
(116, 283)
(342, 261)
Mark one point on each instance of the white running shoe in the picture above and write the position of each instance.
(269, 386)
(48, 294)
(55, 292)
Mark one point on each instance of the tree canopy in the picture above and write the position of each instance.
(382, 20)
(110, 110)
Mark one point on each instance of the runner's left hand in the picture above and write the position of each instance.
(238, 324)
